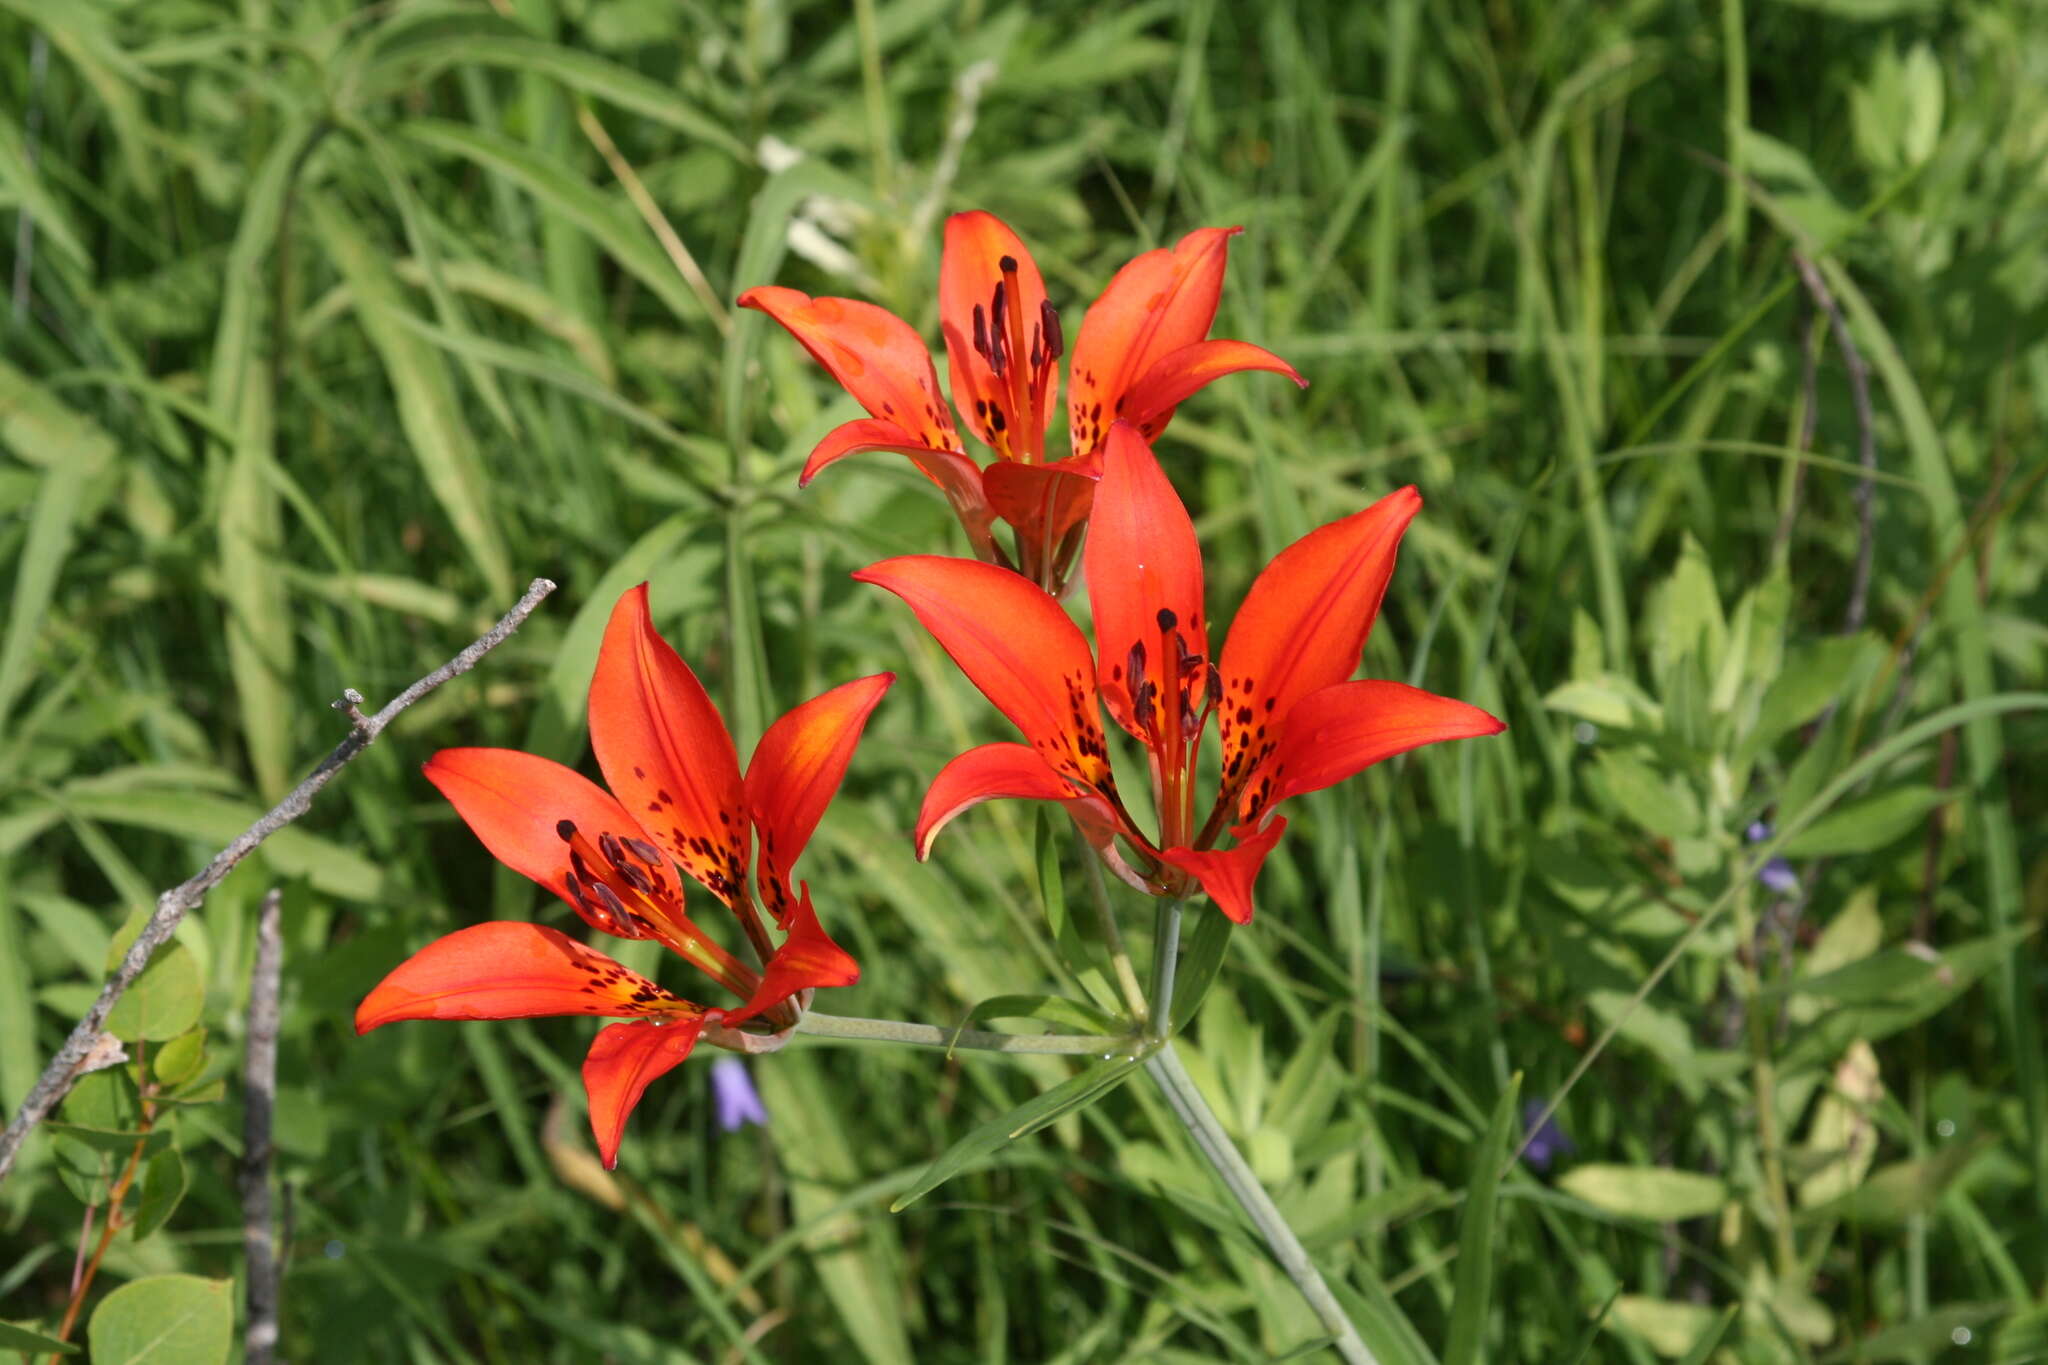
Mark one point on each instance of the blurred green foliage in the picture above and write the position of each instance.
(330, 325)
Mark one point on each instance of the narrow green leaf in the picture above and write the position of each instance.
(1026, 1118)
(428, 407)
(1470, 1304)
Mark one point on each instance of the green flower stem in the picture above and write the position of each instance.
(1164, 1066)
(1165, 962)
(1119, 957)
(977, 1040)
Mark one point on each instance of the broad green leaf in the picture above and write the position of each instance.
(120, 1145)
(163, 1002)
(1658, 804)
(1655, 1192)
(1672, 1329)
(1470, 1305)
(165, 1320)
(1892, 1194)
(1026, 1118)
(1867, 824)
(179, 1060)
(1608, 701)
(1812, 676)
(18, 1338)
(163, 1186)
(1934, 1336)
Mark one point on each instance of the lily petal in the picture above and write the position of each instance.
(506, 969)
(1013, 642)
(1145, 587)
(665, 751)
(978, 246)
(795, 770)
(807, 960)
(1347, 727)
(1227, 874)
(1149, 403)
(986, 773)
(1043, 501)
(875, 355)
(1303, 626)
(623, 1060)
(1158, 303)
(514, 803)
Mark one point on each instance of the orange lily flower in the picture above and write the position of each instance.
(1290, 717)
(677, 800)
(1143, 347)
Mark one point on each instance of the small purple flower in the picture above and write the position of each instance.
(1546, 1143)
(1776, 873)
(738, 1102)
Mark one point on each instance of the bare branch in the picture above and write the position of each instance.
(173, 905)
(259, 1103)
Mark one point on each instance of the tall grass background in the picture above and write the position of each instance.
(331, 325)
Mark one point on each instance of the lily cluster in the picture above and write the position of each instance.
(1289, 716)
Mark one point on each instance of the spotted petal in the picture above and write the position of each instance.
(807, 960)
(958, 477)
(1145, 587)
(1304, 624)
(1158, 303)
(515, 802)
(1347, 727)
(623, 1060)
(978, 248)
(795, 770)
(665, 751)
(1014, 642)
(510, 970)
(875, 356)
(1149, 403)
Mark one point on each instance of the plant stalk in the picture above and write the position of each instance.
(976, 1040)
(1164, 1066)
(1165, 962)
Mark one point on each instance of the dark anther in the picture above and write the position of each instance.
(1215, 687)
(980, 332)
(997, 316)
(634, 877)
(609, 899)
(1035, 351)
(644, 851)
(1049, 319)
(565, 830)
(1167, 620)
(1141, 705)
(1134, 663)
(1008, 265)
(608, 844)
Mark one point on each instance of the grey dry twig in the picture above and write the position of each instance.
(173, 905)
(259, 1103)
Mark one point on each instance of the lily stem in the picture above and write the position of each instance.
(1165, 962)
(1164, 1067)
(977, 1040)
(1119, 956)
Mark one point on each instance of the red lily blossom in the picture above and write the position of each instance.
(1290, 717)
(677, 800)
(1143, 348)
